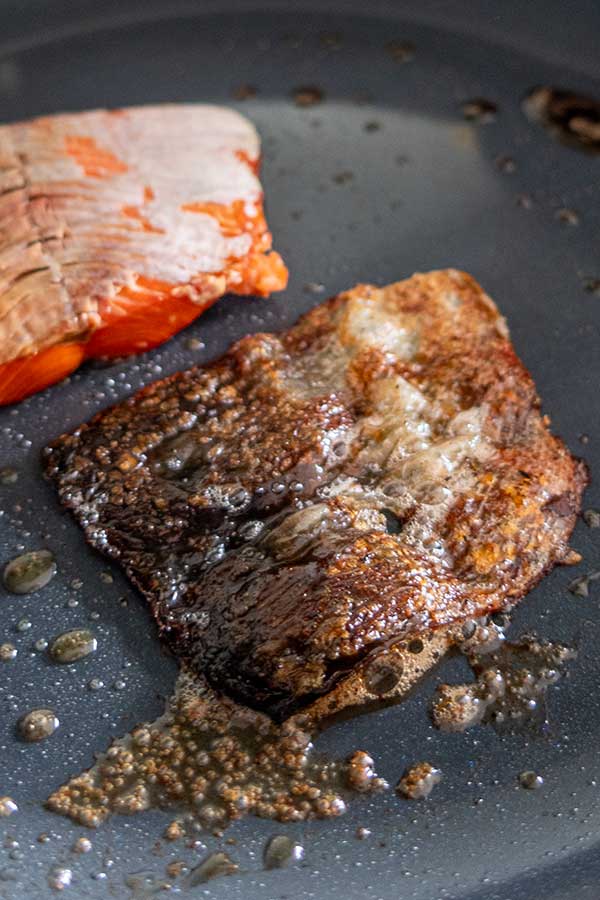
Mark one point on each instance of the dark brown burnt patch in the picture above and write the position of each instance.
(572, 118)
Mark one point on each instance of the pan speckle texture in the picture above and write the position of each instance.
(380, 178)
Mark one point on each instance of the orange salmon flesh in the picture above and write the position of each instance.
(121, 238)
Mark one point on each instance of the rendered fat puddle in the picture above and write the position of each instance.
(212, 760)
(215, 761)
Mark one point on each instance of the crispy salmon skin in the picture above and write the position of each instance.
(118, 228)
(294, 510)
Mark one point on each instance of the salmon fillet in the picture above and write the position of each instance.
(300, 509)
(118, 228)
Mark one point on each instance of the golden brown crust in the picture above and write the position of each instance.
(380, 470)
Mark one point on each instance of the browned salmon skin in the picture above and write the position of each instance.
(315, 502)
(118, 228)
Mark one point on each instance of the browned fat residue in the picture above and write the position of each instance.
(400, 51)
(572, 118)
(308, 95)
(215, 761)
(244, 92)
(418, 782)
(480, 110)
(511, 682)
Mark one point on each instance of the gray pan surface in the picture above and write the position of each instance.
(348, 201)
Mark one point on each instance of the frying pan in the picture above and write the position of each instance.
(421, 190)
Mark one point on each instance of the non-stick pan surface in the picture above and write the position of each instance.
(383, 178)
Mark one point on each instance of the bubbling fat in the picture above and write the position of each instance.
(385, 677)
(511, 680)
(213, 760)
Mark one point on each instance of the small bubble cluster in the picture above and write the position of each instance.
(60, 878)
(174, 831)
(418, 782)
(82, 845)
(217, 762)
(511, 681)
